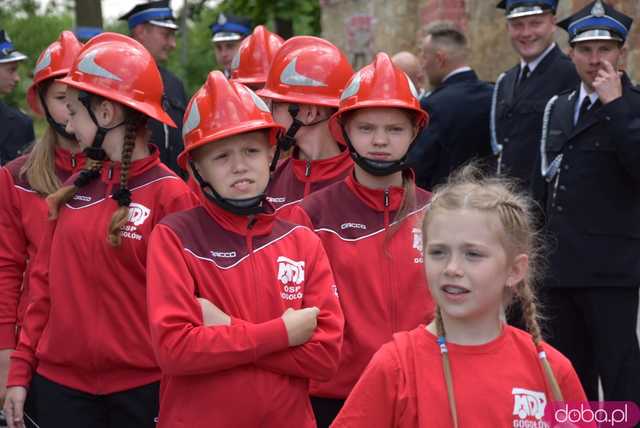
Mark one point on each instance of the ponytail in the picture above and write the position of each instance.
(64, 194)
(530, 314)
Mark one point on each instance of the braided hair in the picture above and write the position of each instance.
(468, 188)
(65, 193)
(122, 195)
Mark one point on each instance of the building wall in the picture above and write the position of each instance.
(363, 27)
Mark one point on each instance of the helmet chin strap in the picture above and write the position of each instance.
(288, 140)
(377, 168)
(95, 151)
(57, 127)
(243, 207)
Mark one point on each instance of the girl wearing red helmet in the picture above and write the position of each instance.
(85, 351)
(303, 87)
(242, 305)
(26, 181)
(369, 224)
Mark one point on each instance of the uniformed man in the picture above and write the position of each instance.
(227, 34)
(588, 178)
(521, 93)
(16, 128)
(458, 108)
(153, 25)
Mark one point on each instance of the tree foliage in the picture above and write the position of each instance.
(32, 29)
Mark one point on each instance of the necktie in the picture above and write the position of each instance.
(525, 74)
(584, 107)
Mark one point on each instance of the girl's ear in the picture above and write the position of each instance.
(518, 270)
(104, 112)
(108, 113)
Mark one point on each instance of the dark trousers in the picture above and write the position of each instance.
(52, 405)
(596, 329)
(326, 410)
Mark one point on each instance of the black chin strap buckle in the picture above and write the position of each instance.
(288, 140)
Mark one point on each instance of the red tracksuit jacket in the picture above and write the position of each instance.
(23, 222)
(245, 374)
(498, 384)
(86, 324)
(295, 179)
(380, 277)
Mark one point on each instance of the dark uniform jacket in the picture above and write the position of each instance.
(458, 128)
(168, 139)
(591, 194)
(517, 114)
(16, 133)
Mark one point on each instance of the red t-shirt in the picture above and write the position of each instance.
(498, 384)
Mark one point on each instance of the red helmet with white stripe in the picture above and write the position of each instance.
(253, 60)
(379, 84)
(221, 109)
(307, 70)
(120, 69)
(55, 61)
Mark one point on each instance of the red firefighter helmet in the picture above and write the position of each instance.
(221, 109)
(251, 64)
(307, 70)
(379, 84)
(55, 61)
(120, 69)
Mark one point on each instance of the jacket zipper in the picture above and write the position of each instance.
(387, 264)
(74, 162)
(307, 183)
(249, 243)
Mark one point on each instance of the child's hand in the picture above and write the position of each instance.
(211, 314)
(300, 324)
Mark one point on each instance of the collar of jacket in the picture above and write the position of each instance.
(111, 170)
(321, 170)
(375, 198)
(67, 161)
(463, 76)
(259, 224)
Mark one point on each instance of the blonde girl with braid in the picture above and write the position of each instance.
(468, 368)
(84, 353)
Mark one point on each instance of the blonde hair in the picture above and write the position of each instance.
(39, 168)
(469, 189)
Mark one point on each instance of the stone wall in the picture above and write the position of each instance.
(363, 27)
